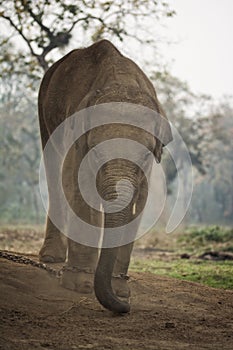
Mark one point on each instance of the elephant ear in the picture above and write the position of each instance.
(164, 136)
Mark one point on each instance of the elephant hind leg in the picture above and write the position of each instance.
(54, 247)
(119, 278)
(82, 260)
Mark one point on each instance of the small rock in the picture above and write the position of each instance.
(169, 325)
(185, 256)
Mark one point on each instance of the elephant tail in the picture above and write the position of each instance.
(102, 282)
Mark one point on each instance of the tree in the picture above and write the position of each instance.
(213, 196)
(206, 128)
(187, 112)
(219, 157)
(20, 146)
(46, 25)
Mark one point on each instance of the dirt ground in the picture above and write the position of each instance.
(37, 313)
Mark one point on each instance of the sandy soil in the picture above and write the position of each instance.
(37, 313)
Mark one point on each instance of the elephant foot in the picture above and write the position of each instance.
(53, 250)
(78, 280)
(121, 287)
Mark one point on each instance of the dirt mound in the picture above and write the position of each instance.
(37, 313)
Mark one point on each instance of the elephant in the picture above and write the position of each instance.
(92, 76)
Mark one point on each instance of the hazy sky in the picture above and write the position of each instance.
(203, 55)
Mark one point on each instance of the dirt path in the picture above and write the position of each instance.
(36, 313)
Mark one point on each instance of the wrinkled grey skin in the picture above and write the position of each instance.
(85, 77)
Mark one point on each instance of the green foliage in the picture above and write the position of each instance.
(207, 129)
(204, 235)
(198, 240)
(213, 274)
(228, 248)
(180, 104)
(20, 147)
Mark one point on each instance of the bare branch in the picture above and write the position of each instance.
(78, 20)
(36, 19)
(20, 33)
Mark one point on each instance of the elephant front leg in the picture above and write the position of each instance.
(82, 260)
(79, 273)
(120, 278)
(54, 246)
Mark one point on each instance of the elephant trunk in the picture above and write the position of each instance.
(102, 282)
(103, 275)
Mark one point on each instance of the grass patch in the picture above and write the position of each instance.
(200, 239)
(21, 238)
(214, 274)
